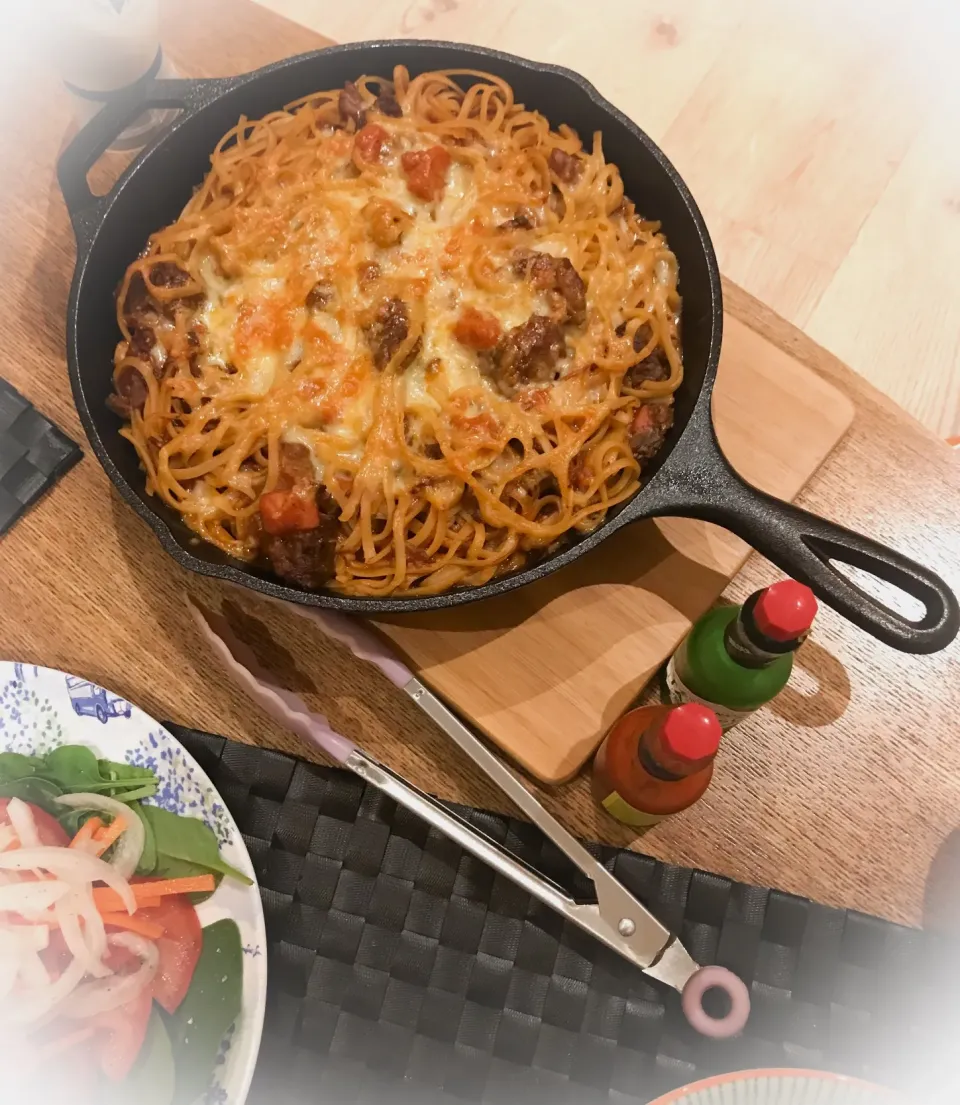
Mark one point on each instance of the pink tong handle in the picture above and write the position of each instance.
(715, 978)
(280, 704)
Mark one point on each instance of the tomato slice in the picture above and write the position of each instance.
(179, 948)
(49, 829)
(121, 1031)
(121, 1035)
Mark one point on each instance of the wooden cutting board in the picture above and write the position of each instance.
(546, 669)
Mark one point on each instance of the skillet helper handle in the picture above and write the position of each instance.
(93, 141)
(803, 544)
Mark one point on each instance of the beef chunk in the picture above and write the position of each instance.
(649, 428)
(367, 272)
(528, 353)
(142, 340)
(130, 392)
(296, 465)
(654, 366)
(524, 219)
(565, 165)
(168, 274)
(555, 274)
(387, 331)
(386, 104)
(351, 105)
(138, 297)
(570, 285)
(320, 295)
(579, 473)
(305, 557)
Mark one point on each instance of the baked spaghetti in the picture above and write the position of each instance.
(403, 337)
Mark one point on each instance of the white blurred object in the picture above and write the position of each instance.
(103, 47)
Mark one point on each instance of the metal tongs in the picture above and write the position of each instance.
(617, 919)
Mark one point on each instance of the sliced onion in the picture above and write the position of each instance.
(38, 1003)
(74, 937)
(92, 998)
(94, 932)
(9, 969)
(21, 818)
(129, 848)
(76, 868)
(29, 898)
(33, 970)
(7, 837)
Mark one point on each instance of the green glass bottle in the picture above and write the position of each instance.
(737, 658)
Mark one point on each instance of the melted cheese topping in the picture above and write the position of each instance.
(440, 308)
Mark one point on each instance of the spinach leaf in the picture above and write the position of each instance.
(71, 819)
(14, 765)
(72, 767)
(148, 790)
(41, 792)
(152, 1079)
(148, 857)
(188, 841)
(124, 773)
(210, 1007)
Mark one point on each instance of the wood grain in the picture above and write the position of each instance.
(545, 670)
(847, 791)
(813, 134)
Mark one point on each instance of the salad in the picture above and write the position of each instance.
(110, 990)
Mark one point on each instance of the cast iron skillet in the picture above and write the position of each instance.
(689, 477)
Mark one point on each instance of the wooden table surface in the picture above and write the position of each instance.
(847, 790)
(812, 132)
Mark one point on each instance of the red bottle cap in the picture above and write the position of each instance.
(691, 733)
(785, 611)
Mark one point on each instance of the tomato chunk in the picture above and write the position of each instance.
(370, 142)
(49, 829)
(121, 1031)
(179, 948)
(289, 511)
(477, 329)
(426, 171)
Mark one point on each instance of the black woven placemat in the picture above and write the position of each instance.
(403, 970)
(34, 454)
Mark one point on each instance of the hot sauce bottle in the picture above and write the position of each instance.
(737, 658)
(656, 761)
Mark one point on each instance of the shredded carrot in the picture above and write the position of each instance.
(86, 832)
(109, 834)
(150, 929)
(109, 901)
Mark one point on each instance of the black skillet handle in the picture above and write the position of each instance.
(85, 208)
(803, 545)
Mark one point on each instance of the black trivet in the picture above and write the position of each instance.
(403, 970)
(34, 454)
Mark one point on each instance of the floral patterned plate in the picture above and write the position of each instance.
(40, 709)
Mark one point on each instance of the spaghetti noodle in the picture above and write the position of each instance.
(403, 337)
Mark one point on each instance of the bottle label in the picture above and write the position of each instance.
(629, 815)
(679, 692)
